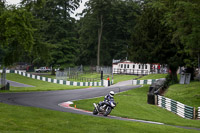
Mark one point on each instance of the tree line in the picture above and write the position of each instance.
(42, 32)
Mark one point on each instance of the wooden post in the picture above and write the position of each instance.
(194, 113)
(156, 99)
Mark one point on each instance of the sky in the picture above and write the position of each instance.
(79, 10)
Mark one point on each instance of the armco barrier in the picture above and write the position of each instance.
(7, 71)
(176, 107)
(63, 82)
(141, 82)
(198, 113)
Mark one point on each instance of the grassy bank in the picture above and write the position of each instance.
(133, 104)
(96, 76)
(28, 119)
(39, 85)
(118, 78)
(87, 77)
(187, 94)
(153, 76)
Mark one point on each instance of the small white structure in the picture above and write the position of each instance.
(128, 67)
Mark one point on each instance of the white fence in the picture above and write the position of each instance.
(176, 107)
(142, 82)
(59, 81)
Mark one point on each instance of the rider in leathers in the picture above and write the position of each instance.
(107, 98)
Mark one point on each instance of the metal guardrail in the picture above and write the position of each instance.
(8, 71)
(176, 107)
(141, 82)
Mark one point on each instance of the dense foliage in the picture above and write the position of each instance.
(106, 28)
(42, 32)
(167, 32)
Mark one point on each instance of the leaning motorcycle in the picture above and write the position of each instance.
(104, 109)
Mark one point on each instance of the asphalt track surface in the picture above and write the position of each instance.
(17, 84)
(52, 99)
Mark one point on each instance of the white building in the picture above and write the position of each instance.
(128, 67)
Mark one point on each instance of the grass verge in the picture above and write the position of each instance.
(29, 119)
(187, 94)
(96, 76)
(118, 78)
(153, 76)
(133, 104)
(39, 85)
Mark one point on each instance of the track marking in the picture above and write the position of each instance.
(67, 105)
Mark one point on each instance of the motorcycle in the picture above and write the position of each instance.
(104, 108)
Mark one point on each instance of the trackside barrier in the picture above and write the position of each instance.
(198, 113)
(176, 107)
(63, 82)
(142, 82)
(7, 71)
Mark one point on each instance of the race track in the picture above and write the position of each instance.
(52, 99)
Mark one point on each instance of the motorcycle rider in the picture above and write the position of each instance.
(107, 98)
(110, 96)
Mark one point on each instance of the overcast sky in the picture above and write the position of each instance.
(79, 10)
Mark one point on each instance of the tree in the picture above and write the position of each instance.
(151, 41)
(164, 33)
(2, 6)
(57, 29)
(105, 29)
(16, 34)
(184, 19)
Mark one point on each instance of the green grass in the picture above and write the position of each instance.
(187, 94)
(133, 104)
(28, 119)
(118, 78)
(153, 76)
(89, 77)
(39, 85)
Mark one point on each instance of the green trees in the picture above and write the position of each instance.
(157, 31)
(16, 34)
(40, 32)
(184, 19)
(105, 30)
(56, 30)
(166, 33)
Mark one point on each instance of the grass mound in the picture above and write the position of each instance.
(28, 119)
(153, 76)
(187, 94)
(133, 104)
(39, 85)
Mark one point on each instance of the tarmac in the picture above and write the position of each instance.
(17, 84)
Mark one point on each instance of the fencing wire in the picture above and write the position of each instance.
(61, 75)
(106, 70)
(75, 72)
(64, 75)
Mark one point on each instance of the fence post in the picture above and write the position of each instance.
(194, 113)
(3, 79)
(156, 99)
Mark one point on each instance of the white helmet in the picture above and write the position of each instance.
(112, 93)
